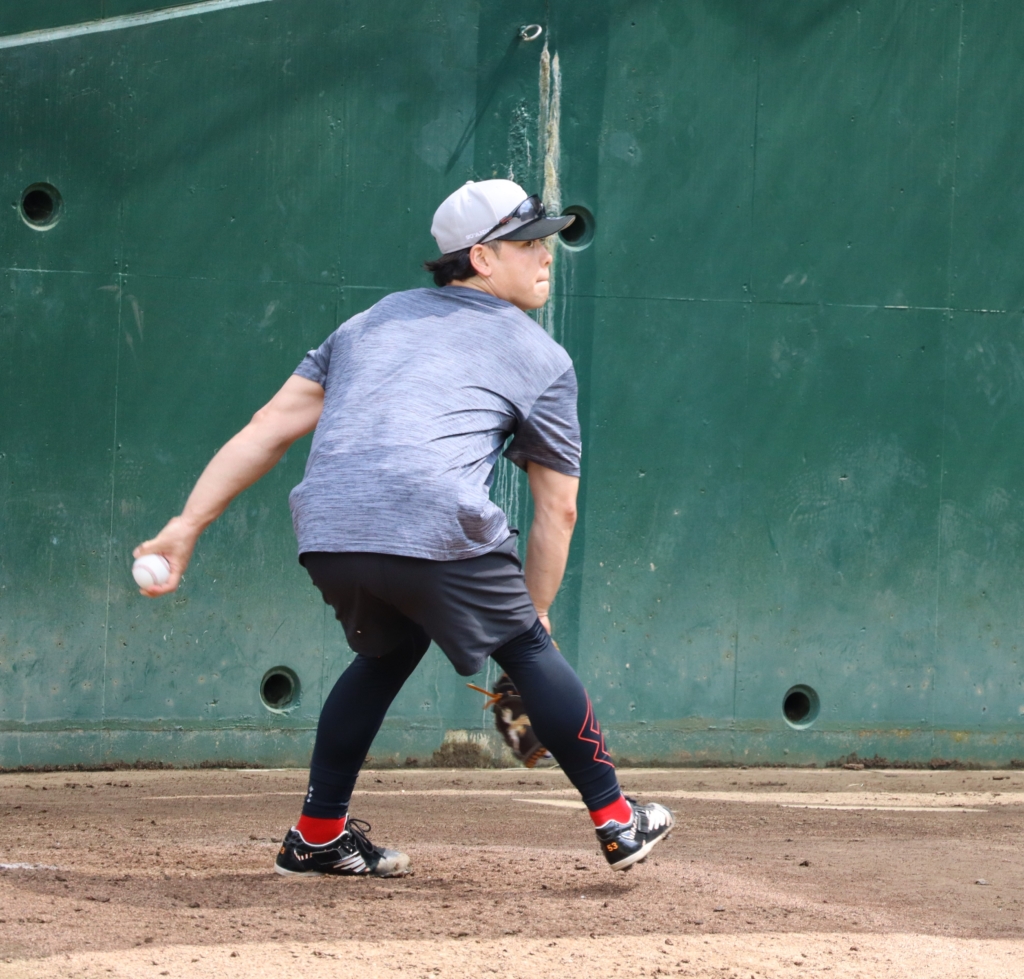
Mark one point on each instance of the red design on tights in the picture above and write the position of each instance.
(591, 731)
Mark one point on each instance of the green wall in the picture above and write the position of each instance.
(798, 331)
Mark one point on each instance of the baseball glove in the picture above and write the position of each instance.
(512, 722)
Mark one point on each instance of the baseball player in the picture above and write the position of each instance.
(411, 403)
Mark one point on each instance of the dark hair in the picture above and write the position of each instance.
(455, 266)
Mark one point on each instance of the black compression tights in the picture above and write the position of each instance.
(555, 700)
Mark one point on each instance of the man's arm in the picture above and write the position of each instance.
(554, 517)
(252, 453)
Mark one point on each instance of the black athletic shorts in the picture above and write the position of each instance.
(469, 608)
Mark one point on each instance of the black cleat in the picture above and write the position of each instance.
(624, 844)
(350, 855)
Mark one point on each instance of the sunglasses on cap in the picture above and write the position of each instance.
(531, 210)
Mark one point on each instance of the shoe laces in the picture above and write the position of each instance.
(357, 829)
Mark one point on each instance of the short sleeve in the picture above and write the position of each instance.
(550, 435)
(317, 362)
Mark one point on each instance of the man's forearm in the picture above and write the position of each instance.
(547, 551)
(255, 450)
(293, 412)
(249, 455)
(240, 463)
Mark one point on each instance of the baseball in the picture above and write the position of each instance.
(150, 570)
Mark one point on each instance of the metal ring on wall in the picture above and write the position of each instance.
(530, 32)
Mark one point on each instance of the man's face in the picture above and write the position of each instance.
(516, 271)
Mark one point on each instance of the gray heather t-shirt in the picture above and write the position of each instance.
(421, 392)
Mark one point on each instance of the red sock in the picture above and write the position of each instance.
(620, 810)
(316, 831)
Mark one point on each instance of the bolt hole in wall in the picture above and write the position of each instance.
(41, 206)
(279, 689)
(580, 233)
(800, 706)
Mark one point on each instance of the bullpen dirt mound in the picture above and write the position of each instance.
(839, 873)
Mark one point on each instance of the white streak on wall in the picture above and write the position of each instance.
(121, 23)
(549, 122)
(545, 97)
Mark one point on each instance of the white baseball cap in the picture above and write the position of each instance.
(488, 210)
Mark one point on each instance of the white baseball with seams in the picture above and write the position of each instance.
(150, 570)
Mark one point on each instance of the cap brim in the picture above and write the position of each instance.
(541, 228)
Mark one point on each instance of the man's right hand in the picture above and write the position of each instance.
(175, 542)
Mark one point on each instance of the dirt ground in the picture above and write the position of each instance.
(769, 873)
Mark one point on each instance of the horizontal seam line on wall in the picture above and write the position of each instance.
(790, 302)
(556, 295)
(206, 278)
